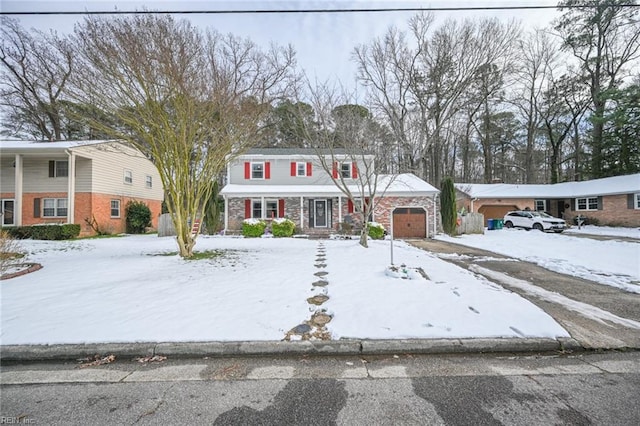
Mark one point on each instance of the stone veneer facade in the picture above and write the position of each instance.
(382, 213)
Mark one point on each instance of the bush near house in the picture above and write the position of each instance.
(138, 217)
(376, 231)
(45, 232)
(282, 227)
(253, 228)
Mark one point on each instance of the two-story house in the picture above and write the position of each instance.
(75, 182)
(283, 182)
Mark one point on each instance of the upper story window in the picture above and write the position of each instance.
(148, 181)
(128, 177)
(257, 170)
(541, 205)
(588, 203)
(346, 170)
(301, 169)
(58, 168)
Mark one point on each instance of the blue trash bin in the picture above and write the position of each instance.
(490, 225)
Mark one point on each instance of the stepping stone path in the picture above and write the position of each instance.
(315, 328)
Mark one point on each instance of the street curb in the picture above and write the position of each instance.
(36, 353)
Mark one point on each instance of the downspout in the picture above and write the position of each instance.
(71, 189)
(471, 207)
(435, 217)
(226, 213)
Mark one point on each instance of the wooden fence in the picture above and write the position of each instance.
(471, 223)
(165, 226)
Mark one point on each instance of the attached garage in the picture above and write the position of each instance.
(409, 222)
(495, 211)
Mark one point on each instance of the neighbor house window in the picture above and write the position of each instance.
(128, 177)
(54, 207)
(257, 170)
(590, 203)
(58, 168)
(148, 181)
(271, 209)
(541, 205)
(115, 208)
(256, 209)
(637, 203)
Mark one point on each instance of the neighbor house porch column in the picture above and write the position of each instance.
(339, 210)
(301, 213)
(17, 197)
(71, 189)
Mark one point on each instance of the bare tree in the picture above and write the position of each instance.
(35, 71)
(188, 101)
(604, 36)
(346, 134)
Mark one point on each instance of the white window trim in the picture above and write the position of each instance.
(636, 200)
(259, 201)
(268, 200)
(304, 169)
(544, 205)
(55, 207)
(251, 170)
(587, 209)
(130, 176)
(350, 170)
(111, 209)
(148, 181)
(55, 168)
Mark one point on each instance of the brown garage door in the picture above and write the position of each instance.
(409, 222)
(495, 212)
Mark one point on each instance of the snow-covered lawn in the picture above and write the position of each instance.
(132, 289)
(611, 262)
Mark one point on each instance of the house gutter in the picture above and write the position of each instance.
(471, 207)
(435, 219)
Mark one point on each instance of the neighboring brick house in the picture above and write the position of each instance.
(75, 182)
(291, 183)
(612, 201)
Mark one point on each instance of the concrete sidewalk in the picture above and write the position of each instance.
(37, 353)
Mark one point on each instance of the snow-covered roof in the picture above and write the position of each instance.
(606, 186)
(406, 185)
(40, 145)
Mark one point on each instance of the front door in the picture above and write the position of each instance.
(7, 212)
(320, 213)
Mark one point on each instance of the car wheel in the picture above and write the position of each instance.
(559, 232)
(537, 227)
(508, 224)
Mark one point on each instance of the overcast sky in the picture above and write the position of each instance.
(323, 41)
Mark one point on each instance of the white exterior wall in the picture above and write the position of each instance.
(107, 170)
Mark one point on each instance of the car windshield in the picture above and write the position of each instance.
(543, 214)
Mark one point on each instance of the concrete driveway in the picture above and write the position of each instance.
(596, 315)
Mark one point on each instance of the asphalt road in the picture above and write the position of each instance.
(579, 389)
(589, 329)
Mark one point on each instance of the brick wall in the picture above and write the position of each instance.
(615, 212)
(236, 211)
(87, 206)
(386, 205)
